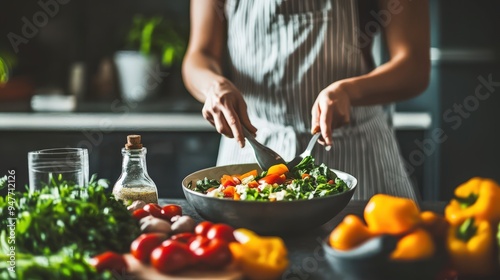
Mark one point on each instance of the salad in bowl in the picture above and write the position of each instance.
(277, 201)
(306, 180)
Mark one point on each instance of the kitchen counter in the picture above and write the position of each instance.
(127, 121)
(104, 122)
(304, 251)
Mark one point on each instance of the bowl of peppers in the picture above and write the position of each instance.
(392, 241)
(395, 240)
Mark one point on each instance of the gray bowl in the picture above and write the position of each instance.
(370, 260)
(266, 218)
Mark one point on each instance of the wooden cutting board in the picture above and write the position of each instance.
(146, 272)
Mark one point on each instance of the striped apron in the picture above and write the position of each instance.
(282, 54)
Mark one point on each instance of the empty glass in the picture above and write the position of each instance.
(68, 164)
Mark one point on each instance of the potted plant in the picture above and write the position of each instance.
(155, 45)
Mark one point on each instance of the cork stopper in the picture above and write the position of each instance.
(133, 142)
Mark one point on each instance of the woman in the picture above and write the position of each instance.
(300, 66)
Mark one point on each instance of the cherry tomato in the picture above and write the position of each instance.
(143, 245)
(197, 242)
(153, 209)
(140, 213)
(169, 211)
(272, 179)
(171, 256)
(109, 261)
(202, 228)
(184, 237)
(214, 254)
(221, 231)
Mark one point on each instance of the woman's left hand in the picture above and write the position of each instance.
(332, 109)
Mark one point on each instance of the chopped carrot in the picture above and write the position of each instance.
(305, 175)
(229, 191)
(236, 196)
(331, 182)
(248, 174)
(253, 184)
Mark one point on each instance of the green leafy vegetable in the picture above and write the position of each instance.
(3, 182)
(205, 184)
(68, 264)
(61, 218)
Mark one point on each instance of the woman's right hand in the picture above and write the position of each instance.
(226, 110)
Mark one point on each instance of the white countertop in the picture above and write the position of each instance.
(193, 122)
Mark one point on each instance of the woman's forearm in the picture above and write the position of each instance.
(202, 63)
(199, 72)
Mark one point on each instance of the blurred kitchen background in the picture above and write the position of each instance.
(71, 74)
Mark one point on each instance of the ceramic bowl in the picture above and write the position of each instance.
(371, 261)
(277, 218)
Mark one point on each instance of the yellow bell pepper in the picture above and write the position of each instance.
(262, 258)
(385, 214)
(477, 198)
(471, 248)
(350, 233)
(415, 245)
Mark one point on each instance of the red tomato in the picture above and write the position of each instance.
(184, 237)
(143, 245)
(140, 213)
(202, 228)
(272, 179)
(197, 242)
(215, 254)
(109, 261)
(153, 209)
(228, 180)
(221, 231)
(169, 211)
(171, 256)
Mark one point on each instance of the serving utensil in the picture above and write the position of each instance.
(265, 156)
(307, 152)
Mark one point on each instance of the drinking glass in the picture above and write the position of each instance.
(68, 164)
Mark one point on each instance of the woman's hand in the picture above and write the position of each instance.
(332, 109)
(226, 110)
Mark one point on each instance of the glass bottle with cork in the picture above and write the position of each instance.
(134, 183)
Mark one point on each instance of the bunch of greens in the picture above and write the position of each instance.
(62, 218)
(67, 264)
